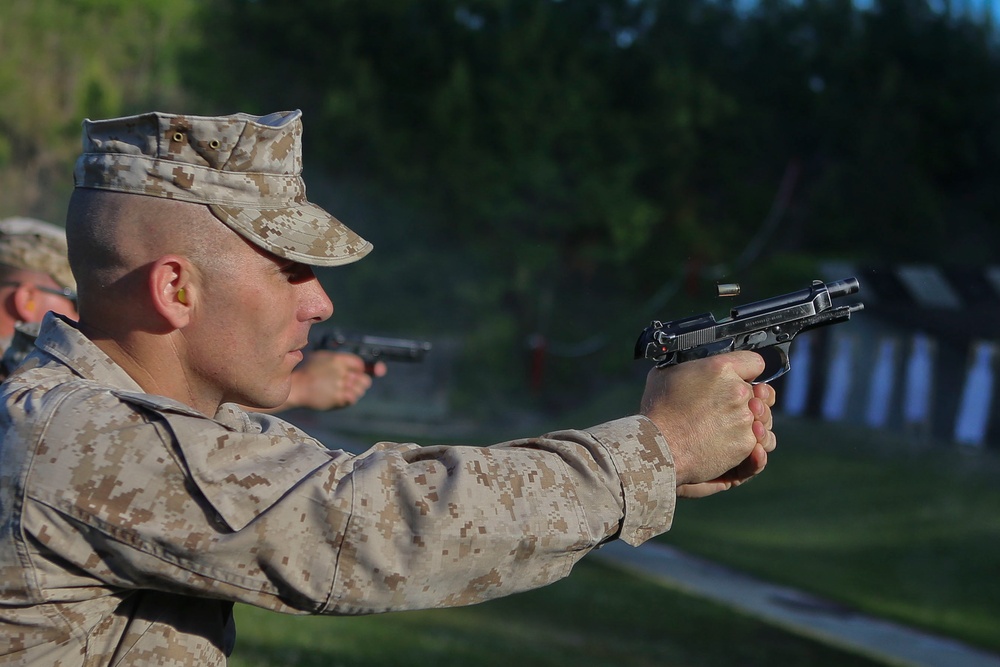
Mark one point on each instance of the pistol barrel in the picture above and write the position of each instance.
(843, 287)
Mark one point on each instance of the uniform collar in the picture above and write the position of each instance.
(60, 338)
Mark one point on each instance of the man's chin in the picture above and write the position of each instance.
(267, 400)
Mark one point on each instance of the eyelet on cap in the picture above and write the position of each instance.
(214, 144)
(178, 136)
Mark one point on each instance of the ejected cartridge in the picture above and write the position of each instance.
(728, 289)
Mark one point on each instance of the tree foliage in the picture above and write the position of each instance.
(554, 167)
(566, 159)
(64, 61)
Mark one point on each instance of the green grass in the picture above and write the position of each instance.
(598, 617)
(897, 529)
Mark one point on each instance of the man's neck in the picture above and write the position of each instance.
(154, 363)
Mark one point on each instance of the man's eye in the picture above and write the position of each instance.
(296, 272)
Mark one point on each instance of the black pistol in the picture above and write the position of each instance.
(374, 348)
(766, 327)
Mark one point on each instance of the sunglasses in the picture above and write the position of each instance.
(64, 292)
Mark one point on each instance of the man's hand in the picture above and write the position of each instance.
(717, 425)
(751, 466)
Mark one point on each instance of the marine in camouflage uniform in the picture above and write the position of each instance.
(34, 276)
(131, 522)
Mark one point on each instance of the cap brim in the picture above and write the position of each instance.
(302, 233)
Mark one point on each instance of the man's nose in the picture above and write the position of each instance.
(317, 306)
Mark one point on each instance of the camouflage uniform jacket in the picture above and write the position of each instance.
(131, 523)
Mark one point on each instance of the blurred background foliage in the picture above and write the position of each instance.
(558, 171)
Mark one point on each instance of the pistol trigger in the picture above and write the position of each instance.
(776, 362)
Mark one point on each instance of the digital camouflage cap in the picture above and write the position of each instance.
(247, 169)
(34, 245)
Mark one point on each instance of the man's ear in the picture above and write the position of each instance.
(25, 303)
(171, 290)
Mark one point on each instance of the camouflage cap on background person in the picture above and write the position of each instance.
(34, 245)
(247, 169)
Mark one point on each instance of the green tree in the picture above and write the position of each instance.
(534, 140)
(66, 60)
(892, 113)
(547, 167)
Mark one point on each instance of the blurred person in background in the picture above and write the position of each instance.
(140, 502)
(34, 278)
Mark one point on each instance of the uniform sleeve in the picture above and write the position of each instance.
(445, 526)
(181, 504)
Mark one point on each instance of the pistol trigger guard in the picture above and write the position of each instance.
(776, 362)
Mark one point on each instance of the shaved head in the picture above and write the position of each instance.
(112, 234)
